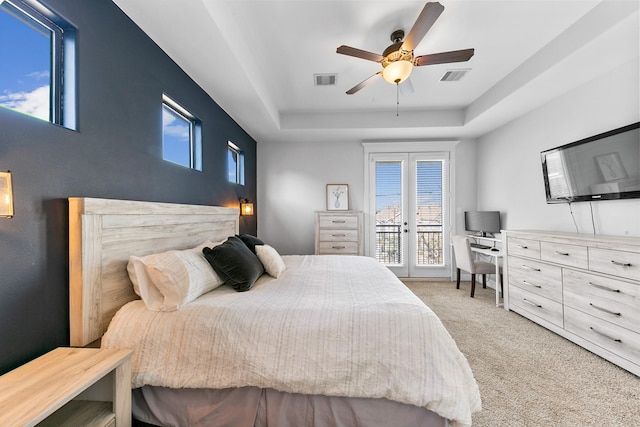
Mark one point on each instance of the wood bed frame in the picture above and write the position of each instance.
(103, 233)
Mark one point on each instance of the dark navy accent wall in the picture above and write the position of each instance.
(115, 153)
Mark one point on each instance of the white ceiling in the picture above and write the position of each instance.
(257, 58)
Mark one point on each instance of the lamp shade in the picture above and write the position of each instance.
(246, 209)
(397, 72)
(6, 195)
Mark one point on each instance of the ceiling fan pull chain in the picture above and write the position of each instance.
(397, 99)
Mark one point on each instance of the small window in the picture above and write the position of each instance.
(235, 164)
(37, 56)
(181, 135)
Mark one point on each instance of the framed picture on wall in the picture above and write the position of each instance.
(337, 197)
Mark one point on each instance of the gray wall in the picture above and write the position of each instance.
(115, 153)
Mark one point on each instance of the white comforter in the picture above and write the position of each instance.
(330, 325)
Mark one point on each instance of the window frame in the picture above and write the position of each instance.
(195, 133)
(62, 91)
(239, 172)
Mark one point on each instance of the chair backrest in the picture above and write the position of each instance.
(464, 257)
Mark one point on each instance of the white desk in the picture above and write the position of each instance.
(495, 255)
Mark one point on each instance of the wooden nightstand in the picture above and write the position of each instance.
(66, 387)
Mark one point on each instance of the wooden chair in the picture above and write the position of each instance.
(467, 262)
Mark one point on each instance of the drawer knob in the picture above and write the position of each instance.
(522, 247)
(621, 264)
(562, 253)
(532, 303)
(602, 334)
(606, 288)
(338, 235)
(605, 310)
(526, 267)
(338, 247)
(338, 221)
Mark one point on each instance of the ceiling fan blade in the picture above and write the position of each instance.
(444, 57)
(359, 53)
(406, 87)
(362, 84)
(425, 21)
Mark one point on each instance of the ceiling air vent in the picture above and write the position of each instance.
(454, 75)
(325, 79)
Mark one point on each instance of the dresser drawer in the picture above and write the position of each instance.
(338, 221)
(546, 282)
(537, 277)
(544, 308)
(569, 255)
(609, 336)
(338, 235)
(523, 247)
(345, 248)
(609, 299)
(617, 263)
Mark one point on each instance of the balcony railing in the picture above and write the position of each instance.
(428, 250)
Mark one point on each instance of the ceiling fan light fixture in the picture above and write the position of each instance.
(397, 72)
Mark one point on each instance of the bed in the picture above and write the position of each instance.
(332, 341)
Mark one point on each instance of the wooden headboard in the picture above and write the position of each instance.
(103, 233)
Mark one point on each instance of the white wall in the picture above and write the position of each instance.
(292, 179)
(509, 169)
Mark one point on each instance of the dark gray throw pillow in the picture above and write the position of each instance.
(234, 262)
(251, 241)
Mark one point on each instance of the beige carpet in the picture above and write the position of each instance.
(527, 375)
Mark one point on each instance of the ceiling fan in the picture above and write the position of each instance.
(398, 60)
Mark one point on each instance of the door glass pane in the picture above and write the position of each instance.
(389, 212)
(429, 213)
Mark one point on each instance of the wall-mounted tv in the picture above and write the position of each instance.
(602, 167)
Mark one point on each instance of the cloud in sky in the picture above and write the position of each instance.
(34, 103)
(173, 127)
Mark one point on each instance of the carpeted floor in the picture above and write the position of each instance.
(527, 375)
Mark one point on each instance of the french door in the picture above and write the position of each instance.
(409, 199)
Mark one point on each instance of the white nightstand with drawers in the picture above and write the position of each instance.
(339, 232)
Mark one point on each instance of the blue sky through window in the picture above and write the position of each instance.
(176, 137)
(25, 64)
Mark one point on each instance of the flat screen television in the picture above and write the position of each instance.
(602, 167)
(482, 222)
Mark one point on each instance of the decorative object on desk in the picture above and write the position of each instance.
(337, 197)
(465, 261)
(611, 166)
(246, 207)
(6, 195)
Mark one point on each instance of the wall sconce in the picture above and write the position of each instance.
(246, 207)
(6, 195)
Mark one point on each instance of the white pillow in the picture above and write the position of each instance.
(167, 281)
(271, 260)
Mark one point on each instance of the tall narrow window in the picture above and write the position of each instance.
(181, 135)
(37, 52)
(235, 164)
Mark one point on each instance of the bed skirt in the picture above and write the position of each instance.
(256, 407)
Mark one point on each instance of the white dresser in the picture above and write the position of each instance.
(583, 287)
(339, 232)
